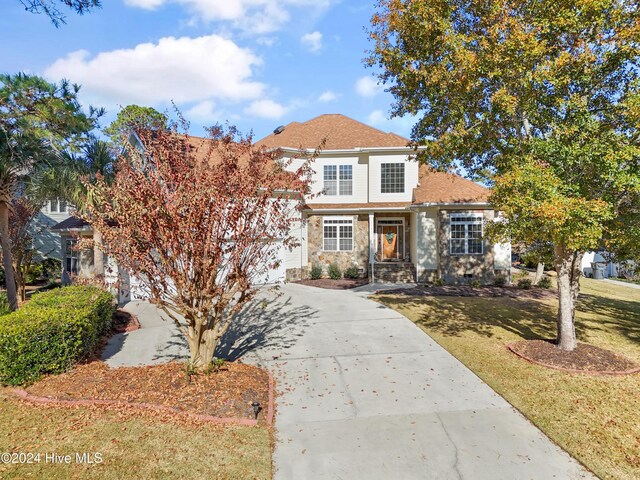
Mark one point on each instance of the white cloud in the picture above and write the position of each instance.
(266, 109)
(312, 41)
(203, 112)
(328, 96)
(377, 117)
(180, 69)
(253, 16)
(368, 87)
(399, 125)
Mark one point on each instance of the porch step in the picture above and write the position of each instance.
(394, 272)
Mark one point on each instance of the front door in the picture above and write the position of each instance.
(390, 242)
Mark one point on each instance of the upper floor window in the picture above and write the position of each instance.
(337, 234)
(466, 234)
(57, 205)
(338, 180)
(392, 178)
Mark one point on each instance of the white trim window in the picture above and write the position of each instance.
(392, 177)
(465, 234)
(71, 256)
(337, 234)
(338, 179)
(58, 205)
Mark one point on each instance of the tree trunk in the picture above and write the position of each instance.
(567, 265)
(202, 350)
(539, 273)
(7, 264)
(21, 287)
(98, 255)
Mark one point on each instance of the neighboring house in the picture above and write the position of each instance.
(380, 211)
(376, 209)
(46, 242)
(609, 268)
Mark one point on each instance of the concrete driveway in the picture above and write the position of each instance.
(365, 394)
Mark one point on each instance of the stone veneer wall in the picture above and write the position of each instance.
(359, 256)
(454, 267)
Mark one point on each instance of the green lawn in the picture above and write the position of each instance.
(596, 419)
(132, 446)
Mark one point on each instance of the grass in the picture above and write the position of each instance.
(132, 446)
(594, 418)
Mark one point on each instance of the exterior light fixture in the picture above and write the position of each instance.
(256, 408)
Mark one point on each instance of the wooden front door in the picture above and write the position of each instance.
(390, 242)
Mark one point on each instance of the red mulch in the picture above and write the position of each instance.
(124, 322)
(585, 358)
(228, 392)
(469, 291)
(342, 284)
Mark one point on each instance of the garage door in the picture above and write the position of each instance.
(274, 275)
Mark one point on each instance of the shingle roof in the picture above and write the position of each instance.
(341, 132)
(441, 187)
(71, 223)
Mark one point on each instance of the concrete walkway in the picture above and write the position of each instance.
(365, 394)
(157, 341)
(622, 284)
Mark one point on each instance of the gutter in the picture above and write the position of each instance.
(348, 150)
(410, 207)
(414, 206)
(362, 210)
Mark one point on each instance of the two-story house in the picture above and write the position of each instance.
(376, 208)
(372, 206)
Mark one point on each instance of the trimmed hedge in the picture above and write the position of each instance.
(52, 332)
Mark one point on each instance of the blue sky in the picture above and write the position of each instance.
(255, 63)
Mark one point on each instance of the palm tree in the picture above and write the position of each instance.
(96, 160)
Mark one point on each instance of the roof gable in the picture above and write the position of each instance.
(443, 187)
(340, 132)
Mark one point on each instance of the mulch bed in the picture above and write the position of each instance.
(342, 284)
(584, 359)
(124, 322)
(469, 291)
(229, 392)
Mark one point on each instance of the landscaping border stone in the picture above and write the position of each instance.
(26, 396)
(602, 373)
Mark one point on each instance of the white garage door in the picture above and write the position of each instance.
(274, 275)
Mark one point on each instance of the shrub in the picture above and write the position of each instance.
(33, 273)
(524, 283)
(4, 304)
(51, 268)
(316, 272)
(334, 272)
(475, 284)
(52, 332)
(439, 282)
(521, 274)
(544, 282)
(352, 272)
(500, 280)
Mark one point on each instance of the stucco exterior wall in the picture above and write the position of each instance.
(427, 244)
(359, 256)
(458, 269)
